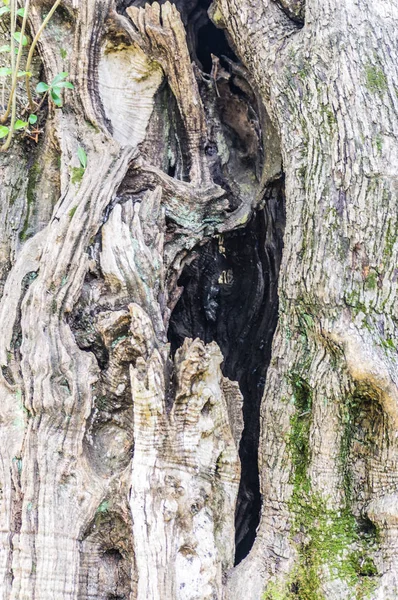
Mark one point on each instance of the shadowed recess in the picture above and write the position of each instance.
(230, 296)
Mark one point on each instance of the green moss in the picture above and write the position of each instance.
(77, 175)
(352, 299)
(329, 117)
(371, 281)
(217, 18)
(388, 344)
(72, 211)
(390, 240)
(379, 143)
(300, 422)
(323, 537)
(275, 591)
(375, 79)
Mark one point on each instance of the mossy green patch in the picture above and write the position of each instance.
(379, 143)
(300, 422)
(77, 175)
(371, 281)
(375, 79)
(352, 299)
(327, 540)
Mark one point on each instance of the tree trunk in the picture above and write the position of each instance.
(186, 411)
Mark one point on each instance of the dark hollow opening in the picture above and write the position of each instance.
(211, 40)
(230, 296)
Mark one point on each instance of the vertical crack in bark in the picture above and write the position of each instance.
(230, 296)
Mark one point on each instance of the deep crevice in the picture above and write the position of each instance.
(230, 296)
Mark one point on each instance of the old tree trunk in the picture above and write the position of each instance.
(187, 411)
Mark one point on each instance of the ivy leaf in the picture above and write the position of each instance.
(82, 156)
(4, 71)
(55, 98)
(23, 73)
(42, 87)
(21, 12)
(5, 48)
(32, 119)
(59, 78)
(65, 84)
(20, 124)
(4, 10)
(4, 131)
(21, 40)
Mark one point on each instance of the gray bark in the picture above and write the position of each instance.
(119, 461)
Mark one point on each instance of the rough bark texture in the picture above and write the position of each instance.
(120, 430)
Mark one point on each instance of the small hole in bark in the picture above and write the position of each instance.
(113, 554)
(110, 576)
(366, 527)
(206, 409)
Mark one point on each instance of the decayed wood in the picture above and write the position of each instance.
(70, 425)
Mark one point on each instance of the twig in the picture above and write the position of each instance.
(15, 68)
(7, 143)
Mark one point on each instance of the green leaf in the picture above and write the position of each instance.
(59, 78)
(4, 10)
(20, 124)
(42, 87)
(55, 98)
(63, 53)
(21, 40)
(6, 2)
(5, 48)
(23, 73)
(65, 84)
(4, 131)
(4, 71)
(21, 12)
(32, 119)
(82, 156)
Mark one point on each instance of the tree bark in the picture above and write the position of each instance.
(140, 301)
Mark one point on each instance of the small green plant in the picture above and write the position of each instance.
(54, 89)
(11, 73)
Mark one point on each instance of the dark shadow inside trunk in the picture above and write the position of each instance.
(230, 296)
